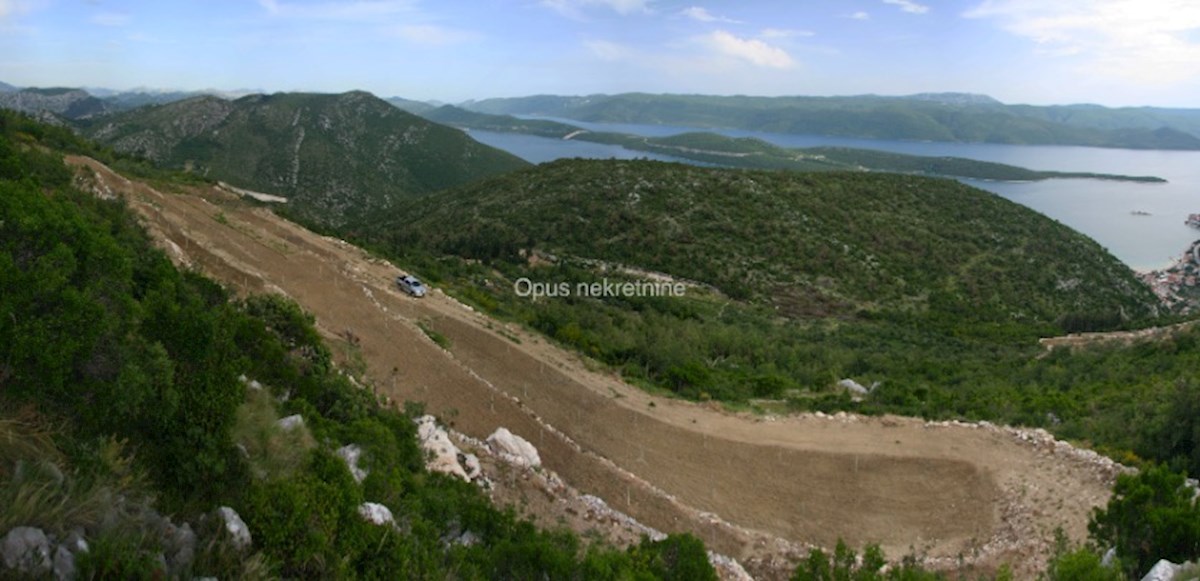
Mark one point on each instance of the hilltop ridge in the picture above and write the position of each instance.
(335, 157)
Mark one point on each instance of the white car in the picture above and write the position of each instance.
(411, 285)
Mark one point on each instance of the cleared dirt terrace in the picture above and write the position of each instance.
(737, 481)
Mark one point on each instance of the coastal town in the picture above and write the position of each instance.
(1176, 285)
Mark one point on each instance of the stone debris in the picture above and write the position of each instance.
(514, 448)
(728, 569)
(442, 454)
(351, 453)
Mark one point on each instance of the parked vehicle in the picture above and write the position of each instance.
(411, 285)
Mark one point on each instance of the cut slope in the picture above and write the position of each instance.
(953, 490)
(335, 157)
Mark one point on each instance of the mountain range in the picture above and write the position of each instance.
(926, 117)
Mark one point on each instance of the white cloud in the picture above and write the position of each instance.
(784, 33)
(608, 51)
(431, 34)
(703, 15)
(111, 19)
(355, 10)
(908, 6)
(1142, 41)
(15, 7)
(575, 8)
(753, 51)
(860, 15)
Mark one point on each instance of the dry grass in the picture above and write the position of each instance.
(272, 452)
(38, 488)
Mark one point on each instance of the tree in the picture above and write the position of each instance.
(1151, 516)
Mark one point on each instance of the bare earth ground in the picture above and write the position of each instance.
(759, 489)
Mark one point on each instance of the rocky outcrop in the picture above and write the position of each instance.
(441, 454)
(514, 448)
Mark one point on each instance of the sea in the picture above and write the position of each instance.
(1141, 224)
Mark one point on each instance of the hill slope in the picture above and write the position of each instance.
(920, 118)
(829, 242)
(336, 157)
(73, 104)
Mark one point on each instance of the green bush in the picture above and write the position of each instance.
(1152, 515)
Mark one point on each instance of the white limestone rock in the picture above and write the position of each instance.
(441, 453)
(514, 448)
(236, 527)
(376, 514)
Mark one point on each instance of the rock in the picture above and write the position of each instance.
(64, 563)
(1109, 556)
(376, 514)
(514, 448)
(181, 547)
(1163, 570)
(853, 387)
(728, 569)
(76, 542)
(470, 463)
(291, 422)
(238, 531)
(468, 539)
(350, 453)
(27, 550)
(443, 454)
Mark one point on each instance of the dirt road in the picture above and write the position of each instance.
(746, 485)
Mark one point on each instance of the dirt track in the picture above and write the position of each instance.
(948, 491)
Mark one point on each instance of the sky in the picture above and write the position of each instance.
(1110, 52)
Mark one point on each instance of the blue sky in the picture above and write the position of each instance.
(1112, 52)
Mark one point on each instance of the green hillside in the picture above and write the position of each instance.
(129, 413)
(335, 157)
(848, 241)
(872, 117)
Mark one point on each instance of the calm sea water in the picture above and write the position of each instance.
(1097, 208)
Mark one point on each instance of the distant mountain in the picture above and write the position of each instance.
(125, 100)
(955, 98)
(953, 117)
(457, 116)
(70, 104)
(754, 153)
(336, 157)
(6, 88)
(414, 107)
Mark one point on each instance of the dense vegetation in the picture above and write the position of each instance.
(753, 153)
(926, 118)
(336, 158)
(120, 395)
